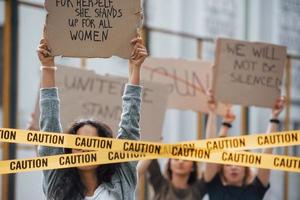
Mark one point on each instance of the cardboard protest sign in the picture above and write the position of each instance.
(84, 94)
(92, 28)
(248, 73)
(187, 82)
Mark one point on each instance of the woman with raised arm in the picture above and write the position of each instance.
(111, 181)
(182, 181)
(231, 182)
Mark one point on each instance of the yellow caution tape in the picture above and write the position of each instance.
(276, 139)
(241, 158)
(114, 150)
(256, 141)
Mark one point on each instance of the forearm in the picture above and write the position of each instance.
(130, 118)
(134, 75)
(223, 131)
(211, 126)
(271, 128)
(48, 78)
(156, 178)
(143, 166)
(226, 124)
(210, 168)
(264, 174)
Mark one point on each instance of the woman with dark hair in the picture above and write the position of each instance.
(111, 181)
(180, 182)
(232, 182)
(171, 166)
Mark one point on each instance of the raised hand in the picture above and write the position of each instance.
(139, 52)
(44, 54)
(278, 106)
(230, 116)
(48, 66)
(138, 56)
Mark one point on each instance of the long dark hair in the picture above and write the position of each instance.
(193, 175)
(245, 178)
(69, 185)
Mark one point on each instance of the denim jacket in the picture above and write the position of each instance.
(124, 181)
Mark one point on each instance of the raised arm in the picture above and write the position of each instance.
(212, 116)
(49, 112)
(49, 101)
(211, 169)
(155, 178)
(129, 125)
(264, 174)
(143, 166)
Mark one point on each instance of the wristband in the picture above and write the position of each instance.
(228, 125)
(275, 121)
(48, 68)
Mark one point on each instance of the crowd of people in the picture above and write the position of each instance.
(181, 180)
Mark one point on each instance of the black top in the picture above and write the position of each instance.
(164, 190)
(253, 191)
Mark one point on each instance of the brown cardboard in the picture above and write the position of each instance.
(248, 73)
(187, 82)
(86, 95)
(107, 34)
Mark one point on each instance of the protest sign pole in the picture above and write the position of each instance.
(287, 119)
(200, 115)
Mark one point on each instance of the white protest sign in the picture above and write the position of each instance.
(248, 73)
(187, 82)
(84, 94)
(92, 28)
